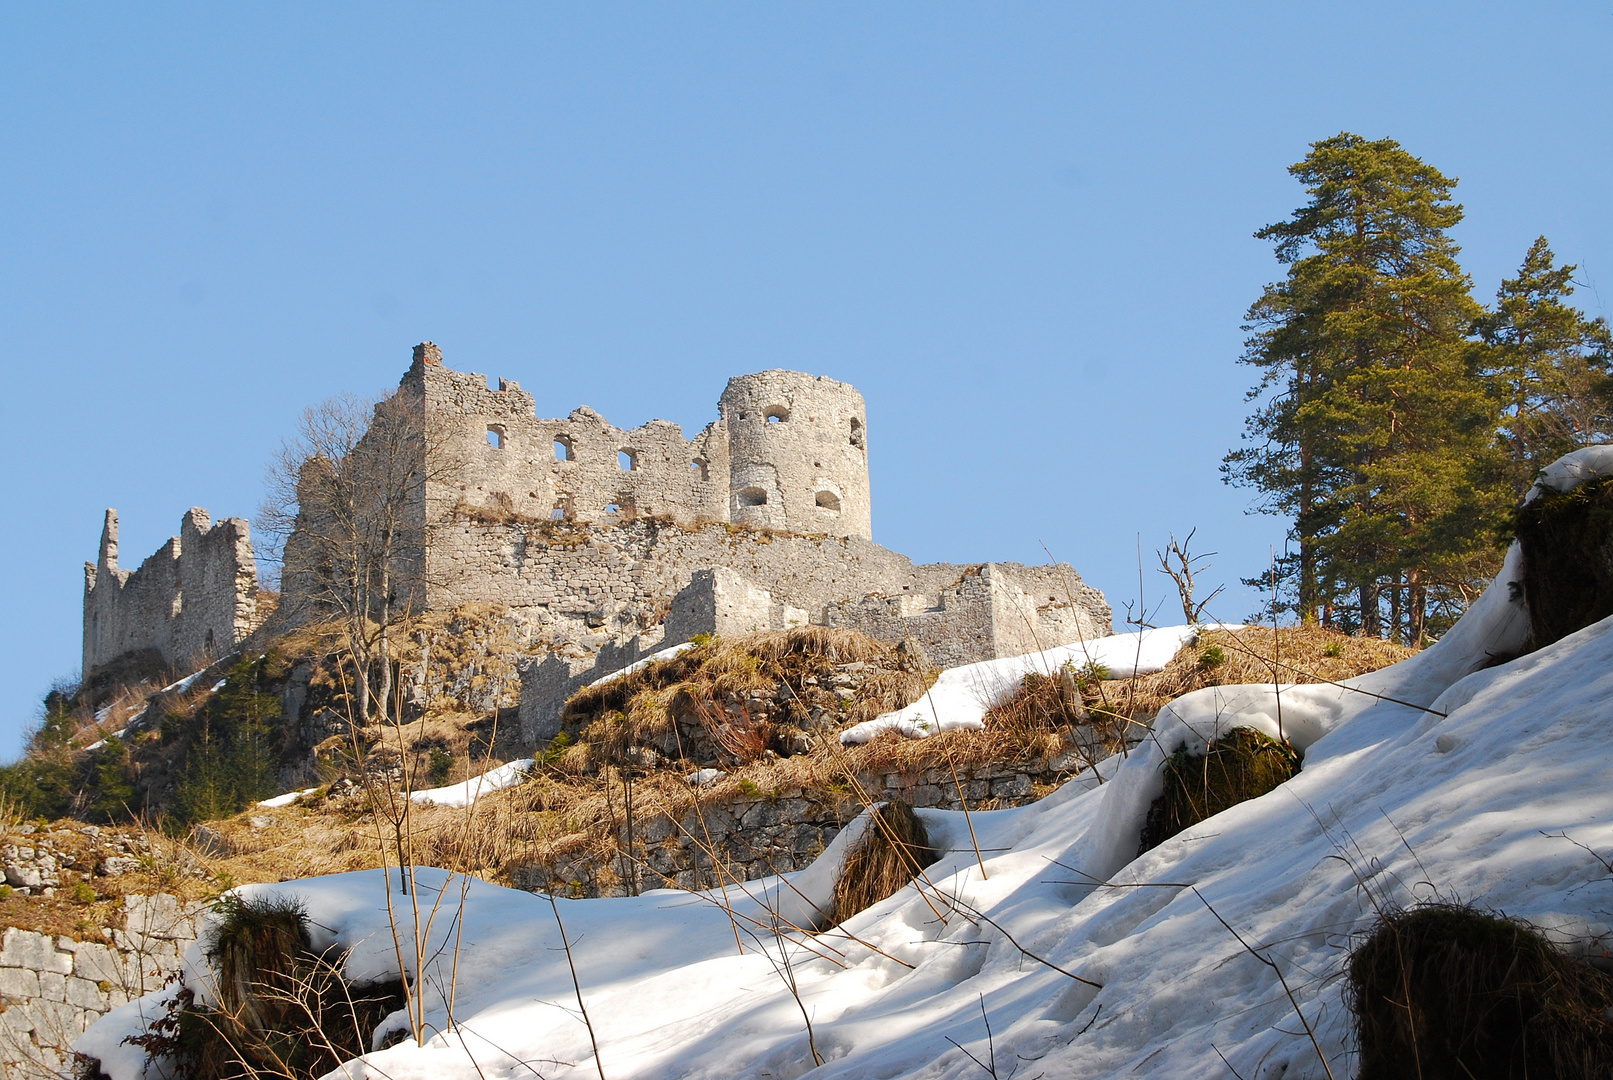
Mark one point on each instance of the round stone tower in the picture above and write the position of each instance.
(797, 453)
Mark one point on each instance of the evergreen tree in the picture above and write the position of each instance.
(1373, 429)
(1550, 366)
(232, 751)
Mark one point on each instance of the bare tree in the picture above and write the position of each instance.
(1180, 564)
(345, 513)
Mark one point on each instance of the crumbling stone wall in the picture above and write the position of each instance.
(52, 988)
(977, 613)
(776, 832)
(788, 451)
(195, 598)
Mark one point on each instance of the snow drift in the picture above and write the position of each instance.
(1451, 774)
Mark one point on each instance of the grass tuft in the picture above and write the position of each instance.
(890, 854)
(1447, 992)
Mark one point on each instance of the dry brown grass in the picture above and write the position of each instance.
(1220, 657)
(573, 806)
(893, 850)
(732, 699)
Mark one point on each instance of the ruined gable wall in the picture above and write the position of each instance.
(196, 597)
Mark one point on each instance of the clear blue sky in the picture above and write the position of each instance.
(1022, 231)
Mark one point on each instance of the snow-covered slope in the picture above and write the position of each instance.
(1438, 776)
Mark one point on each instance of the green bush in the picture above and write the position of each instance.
(440, 763)
(1212, 656)
(231, 749)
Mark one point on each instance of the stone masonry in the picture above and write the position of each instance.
(195, 599)
(52, 988)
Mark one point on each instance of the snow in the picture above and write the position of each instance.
(183, 684)
(287, 799)
(1448, 775)
(663, 654)
(1571, 470)
(962, 696)
(464, 793)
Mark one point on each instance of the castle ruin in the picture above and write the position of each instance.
(606, 544)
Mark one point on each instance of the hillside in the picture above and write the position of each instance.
(1041, 942)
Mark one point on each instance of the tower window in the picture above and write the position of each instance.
(828, 500)
(777, 414)
(627, 460)
(495, 437)
(702, 466)
(562, 448)
(752, 496)
(856, 433)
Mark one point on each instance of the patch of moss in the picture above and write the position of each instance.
(1447, 992)
(1242, 764)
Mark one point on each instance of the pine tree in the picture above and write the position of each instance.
(1374, 429)
(1551, 367)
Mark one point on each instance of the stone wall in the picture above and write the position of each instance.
(195, 598)
(52, 988)
(620, 581)
(596, 598)
(759, 835)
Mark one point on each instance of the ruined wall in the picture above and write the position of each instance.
(788, 451)
(196, 597)
(759, 835)
(620, 581)
(595, 600)
(491, 452)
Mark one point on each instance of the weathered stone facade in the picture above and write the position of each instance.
(52, 988)
(956, 614)
(195, 599)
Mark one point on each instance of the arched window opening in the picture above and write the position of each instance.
(562, 509)
(856, 433)
(495, 437)
(828, 500)
(777, 414)
(703, 466)
(627, 460)
(562, 448)
(752, 496)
